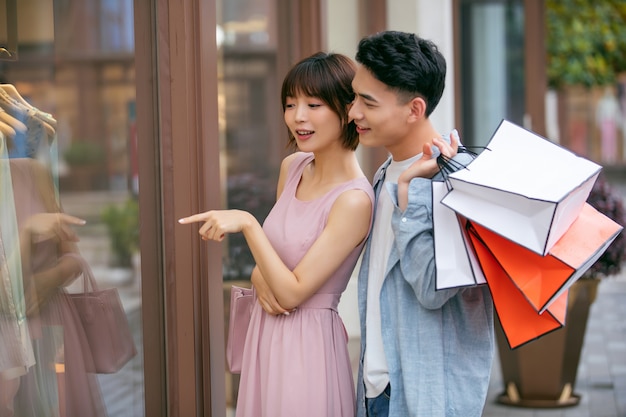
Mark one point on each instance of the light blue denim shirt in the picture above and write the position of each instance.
(439, 344)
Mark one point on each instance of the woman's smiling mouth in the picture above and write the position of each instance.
(304, 134)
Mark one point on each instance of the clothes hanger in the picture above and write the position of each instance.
(7, 136)
(10, 96)
(12, 106)
(26, 115)
(12, 92)
(16, 125)
(36, 124)
(7, 130)
(10, 127)
(50, 131)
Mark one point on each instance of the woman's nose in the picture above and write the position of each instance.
(301, 113)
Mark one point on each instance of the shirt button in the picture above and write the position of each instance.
(404, 220)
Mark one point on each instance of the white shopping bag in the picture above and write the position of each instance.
(523, 187)
(455, 261)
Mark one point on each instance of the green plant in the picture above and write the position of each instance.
(586, 41)
(84, 153)
(122, 223)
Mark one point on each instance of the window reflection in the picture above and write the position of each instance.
(253, 141)
(253, 134)
(76, 65)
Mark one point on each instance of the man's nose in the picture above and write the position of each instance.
(354, 113)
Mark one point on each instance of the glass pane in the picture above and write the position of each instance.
(251, 127)
(70, 147)
(492, 49)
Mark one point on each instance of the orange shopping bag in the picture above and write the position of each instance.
(520, 321)
(543, 278)
(530, 290)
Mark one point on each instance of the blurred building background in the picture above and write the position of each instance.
(172, 107)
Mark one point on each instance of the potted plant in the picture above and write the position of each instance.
(543, 372)
(82, 153)
(122, 223)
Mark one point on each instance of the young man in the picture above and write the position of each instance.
(424, 352)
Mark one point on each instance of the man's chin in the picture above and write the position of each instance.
(366, 140)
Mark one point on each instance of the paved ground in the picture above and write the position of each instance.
(601, 379)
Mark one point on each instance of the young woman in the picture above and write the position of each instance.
(296, 360)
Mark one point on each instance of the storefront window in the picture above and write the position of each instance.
(251, 126)
(68, 136)
(250, 92)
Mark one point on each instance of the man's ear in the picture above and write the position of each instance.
(417, 108)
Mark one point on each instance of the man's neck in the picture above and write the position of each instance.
(413, 144)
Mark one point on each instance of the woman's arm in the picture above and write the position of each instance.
(264, 293)
(55, 227)
(347, 226)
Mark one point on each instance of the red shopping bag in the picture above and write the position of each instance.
(520, 321)
(530, 290)
(543, 278)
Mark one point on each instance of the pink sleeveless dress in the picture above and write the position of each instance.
(298, 365)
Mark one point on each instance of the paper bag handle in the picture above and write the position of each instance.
(449, 165)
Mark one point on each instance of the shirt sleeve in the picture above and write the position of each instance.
(414, 244)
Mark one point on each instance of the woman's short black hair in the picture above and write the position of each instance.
(328, 77)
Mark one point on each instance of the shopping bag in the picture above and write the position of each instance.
(523, 187)
(521, 322)
(105, 324)
(455, 261)
(241, 302)
(542, 279)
